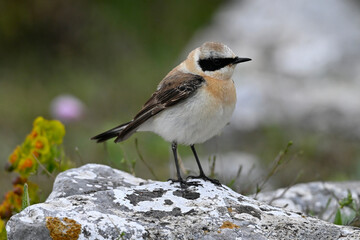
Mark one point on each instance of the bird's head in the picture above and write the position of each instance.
(213, 59)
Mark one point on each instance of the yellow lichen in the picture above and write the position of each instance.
(63, 229)
(228, 224)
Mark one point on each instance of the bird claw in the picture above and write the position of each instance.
(205, 178)
(183, 183)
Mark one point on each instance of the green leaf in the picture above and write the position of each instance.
(337, 219)
(346, 202)
(25, 198)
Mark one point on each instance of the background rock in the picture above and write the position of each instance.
(110, 204)
(316, 198)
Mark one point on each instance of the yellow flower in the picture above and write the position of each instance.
(40, 145)
(14, 200)
(25, 164)
(36, 154)
(15, 155)
(33, 134)
(55, 131)
(39, 121)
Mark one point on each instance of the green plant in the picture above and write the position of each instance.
(3, 235)
(232, 182)
(348, 219)
(212, 162)
(143, 160)
(41, 148)
(26, 198)
(278, 162)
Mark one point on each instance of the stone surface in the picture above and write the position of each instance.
(98, 202)
(305, 69)
(316, 198)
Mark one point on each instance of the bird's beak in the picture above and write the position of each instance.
(240, 60)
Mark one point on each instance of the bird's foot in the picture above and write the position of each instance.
(204, 177)
(183, 183)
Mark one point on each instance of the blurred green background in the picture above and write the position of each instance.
(111, 55)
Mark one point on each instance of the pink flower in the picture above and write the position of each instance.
(67, 108)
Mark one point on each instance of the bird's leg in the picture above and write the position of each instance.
(179, 178)
(202, 174)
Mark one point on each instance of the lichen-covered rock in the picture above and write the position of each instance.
(316, 198)
(98, 202)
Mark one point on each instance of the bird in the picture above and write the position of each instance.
(191, 104)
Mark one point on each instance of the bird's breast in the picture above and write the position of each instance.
(223, 91)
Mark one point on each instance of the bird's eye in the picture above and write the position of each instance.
(216, 61)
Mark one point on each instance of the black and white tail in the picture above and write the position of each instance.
(112, 133)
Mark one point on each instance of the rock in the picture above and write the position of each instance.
(316, 198)
(98, 202)
(305, 68)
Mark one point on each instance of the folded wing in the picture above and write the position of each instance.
(172, 90)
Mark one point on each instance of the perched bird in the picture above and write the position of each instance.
(192, 103)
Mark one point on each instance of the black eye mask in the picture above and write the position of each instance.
(213, 64)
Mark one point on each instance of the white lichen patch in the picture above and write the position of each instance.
(60, 203)
(33, 215)
(83, 175)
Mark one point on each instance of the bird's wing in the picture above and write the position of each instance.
(172, 90)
